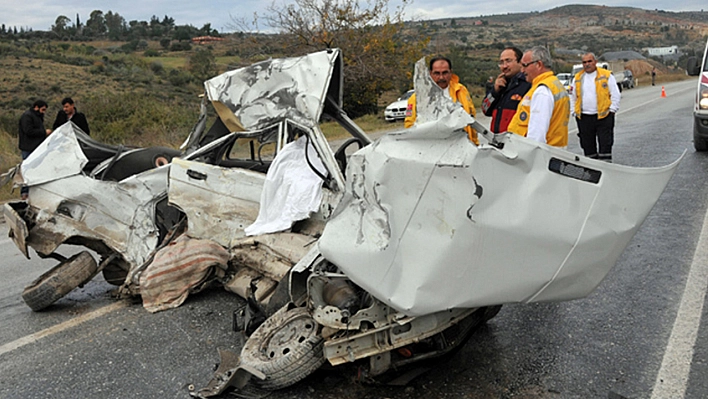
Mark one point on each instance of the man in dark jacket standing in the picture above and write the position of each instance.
(69, 113)
(509, 88)
(32, 132)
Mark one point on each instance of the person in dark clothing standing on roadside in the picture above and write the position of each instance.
(32, 133)
(69, 113)
(509, 88)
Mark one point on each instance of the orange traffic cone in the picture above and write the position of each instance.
(663, 92)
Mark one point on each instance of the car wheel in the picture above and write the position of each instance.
(287, 347)
(699, 144)
(59, 281)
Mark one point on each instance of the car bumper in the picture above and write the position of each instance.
(395, 115)
(700, 125)
(18, 227)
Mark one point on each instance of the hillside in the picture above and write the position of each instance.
(595, 28)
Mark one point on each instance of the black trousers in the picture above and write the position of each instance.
(596, 135)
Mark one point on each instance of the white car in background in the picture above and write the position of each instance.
(396, 111)
(565, 80)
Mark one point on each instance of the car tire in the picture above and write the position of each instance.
(700, 145)
(287, 347)
(59, 281)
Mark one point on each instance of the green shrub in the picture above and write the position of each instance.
(157, 68)
(179, 78)
(180, 46)
(139, 118)
(151, 53)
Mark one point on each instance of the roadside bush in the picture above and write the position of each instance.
(139, 118)
(157, 68)
(180, 46)
(84, 49)
(98, 67)
(9, 124)
(202, 64)
(179, 78)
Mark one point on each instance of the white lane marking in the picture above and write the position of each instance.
(679, 91)
(672, 380)
(28, 339)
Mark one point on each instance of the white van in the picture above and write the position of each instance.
(700, 107)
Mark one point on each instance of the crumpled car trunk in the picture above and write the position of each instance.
(431, 222)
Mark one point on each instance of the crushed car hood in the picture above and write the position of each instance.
(254, 97)
(431, 222)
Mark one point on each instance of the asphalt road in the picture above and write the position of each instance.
(639, 335)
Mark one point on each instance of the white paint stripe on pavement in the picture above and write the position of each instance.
(672, 380)
(28, 339)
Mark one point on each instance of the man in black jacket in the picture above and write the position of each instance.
(32, 133)
(69, 113)
(509, 88)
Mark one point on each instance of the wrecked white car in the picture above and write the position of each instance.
(425, 239)
(431, 237)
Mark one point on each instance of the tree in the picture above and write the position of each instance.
(202, 64)
(96, 24)
(116, 25)
(378, 52)
(184, 32)
(156, 28)
(60, 24)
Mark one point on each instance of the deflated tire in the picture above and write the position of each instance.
(59, 281)
(287, 347)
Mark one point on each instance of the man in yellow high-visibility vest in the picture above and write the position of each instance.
(594, 102)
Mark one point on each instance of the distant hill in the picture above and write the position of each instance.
(588, 27)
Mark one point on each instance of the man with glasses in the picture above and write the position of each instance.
(544, 111)
(32, 133)
(595, 100)
(441, 72)
(509, 88)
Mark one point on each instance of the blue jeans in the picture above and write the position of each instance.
(24, 189)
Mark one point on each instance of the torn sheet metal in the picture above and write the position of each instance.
(433, 106)
(58, 156)
(71, 204)
(434, 224)
(193, 188)
(292, 88)
(292, 189)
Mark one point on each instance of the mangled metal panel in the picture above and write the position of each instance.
(58, 156)
(219, 202)
(69, 203)
(431, 222)
(257, 95)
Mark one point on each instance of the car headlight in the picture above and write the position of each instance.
(703, 98)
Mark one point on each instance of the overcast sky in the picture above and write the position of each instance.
(41, 14)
